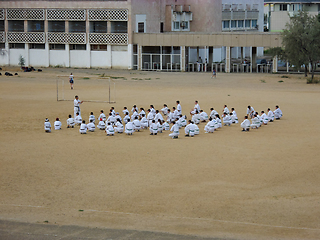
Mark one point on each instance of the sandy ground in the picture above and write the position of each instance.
(263, 184)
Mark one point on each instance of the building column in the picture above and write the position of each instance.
(88, 50)
(275, 64)
(68, 55)
(139, 57)
(6, 45)
(228, 60)
(160, 58)
(130, 56)
(27, 58)
(253, 55)
(182, 58)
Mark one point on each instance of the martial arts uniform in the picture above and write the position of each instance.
(125, 111)
(118, 117)
(134, 115)
(78, 120)
(245, 124)
(103, 116)
(76, 108)
(179, 109)
(57, 125)
(91, 127)
(270, 116)
(264, 118)
(126, 119)
(134, 108)
(196, 118)
(170, 118)
(196, 129)
(110, 130)
(227, 120)
(158, 116)
(142, 112)
(136, 125)
(160, 128)
(166, 126)
(47, 126)
(255, 122)
(190, 129)
(153, 111)
(203, 116)
(277, 113)
(196, 107)
(118, 127)
(164, 110)
(150, 117)
(234, 117)
(226, 110)
(250, 111)
(153, 128)
(92, 117)
(219, 122)
(175, 131)
(183, 121)
(129, 128)
(101, 125)
(83, 128)
(111, 119)
(70, 122)
(144, 122)
(213, 113)
(210, 127)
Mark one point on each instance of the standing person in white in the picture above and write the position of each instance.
(179, 109)
(47, 126)
(277, 113)
(76, 104)
(175, 130)
(57, 124)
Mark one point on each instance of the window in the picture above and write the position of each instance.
(247, 23)
(78, 47)
(176, 25)
(2, 46)
(56, 26)
(57, 46)
(161, 27)
(185, 25)
(226, 24)
(15, 26)
(233, 23)
(240, 23)
(292, 7)
(98, 27)
(36, 46)
(17, 46)
(283, 7)
(77, 26)
(141, 27)
(35, 26)
(1, 26)
(119, 27)
(254, 23)
(119, 48)
(99, 47)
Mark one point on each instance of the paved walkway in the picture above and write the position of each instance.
(26, 231)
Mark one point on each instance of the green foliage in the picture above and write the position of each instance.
(21, 61)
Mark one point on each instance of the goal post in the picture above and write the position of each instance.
(90, 89)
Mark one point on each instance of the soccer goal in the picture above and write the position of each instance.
(89, 89)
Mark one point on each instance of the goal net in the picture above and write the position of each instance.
(89, 89)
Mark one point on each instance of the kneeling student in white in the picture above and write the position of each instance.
(159, 125)
(70, 122)
(92, 117)
(196, 129)
(57, 124)
(277, 113)
(189, 130)
(103, 116)
(136, 124)
(270, 115)
(110, 130)
(255, 122)
(78, 119)
(144, 121)
(101, 125)
(210, 127)
(175, 130)
(196, 117)
(129, 128)
(153, 128)
(126, 118)
(226, 119)
(234, 116)
(118, 127)
(91, 127)
(47, 126)
(264, 118)
(164, 110)
(203, 116)
(165, 126)
(245, 124)
(83, 127)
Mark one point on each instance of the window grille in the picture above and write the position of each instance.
(108, 38)
(108, 15)
(1, 14)
(25, 14)
(71, 15)
(2, 37)
(73, 38)
(21, 37)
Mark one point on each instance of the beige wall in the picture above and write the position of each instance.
(217, 40)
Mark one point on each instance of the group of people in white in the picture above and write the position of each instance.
(159, 120)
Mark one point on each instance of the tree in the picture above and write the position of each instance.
(21, 61)
(300, 40)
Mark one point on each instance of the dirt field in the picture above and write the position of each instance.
(262, 184)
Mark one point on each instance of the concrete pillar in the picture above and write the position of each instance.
(160, 58)
(287, 65)
(88, 50)
(253, 56)
(26, 56)
(241, 57)
(48, 53)
(228, 60)
(130, 56)
(6, 45)
(25, 25)
(275, 64)
(139, 57)
(68, 55)
(182, 58)
(108, 27)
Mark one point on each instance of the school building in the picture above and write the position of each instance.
(162, 35)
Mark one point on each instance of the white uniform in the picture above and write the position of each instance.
(196, 107)
(142, 112)
(213, 113)
(57, 125)
(170, 118)
(164, 110)
(250, 111)
(76, 109)
(196, 129)
(165, 126)
(255, 122)
(219, 122)
(153, 128)
(110, 130)
(196, 118)
(47, 126)
(129, 128)
(150, 117)
(203, 116)
(176, 114)
(160, 128)
(226, 110)
(93, 118)
(126, 118)
(270, 116)
(83, 128)
(91, 127)
(70, 122)
(101, 125)
(175, 131)
(144, 122)
(183, 121)
(103, 116)
(234, 117)
(111, 119)
(210, 127)
(158, 116)
(134, 115)
(227, 120)
(277, 113)
(118, 127)
(153, 111)
(118, 117)
(245, 124)
(179, 109)
(264, 118)
(190, 129)
(136, 125)
(125, 111)
(78, 120)
(133, 109)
